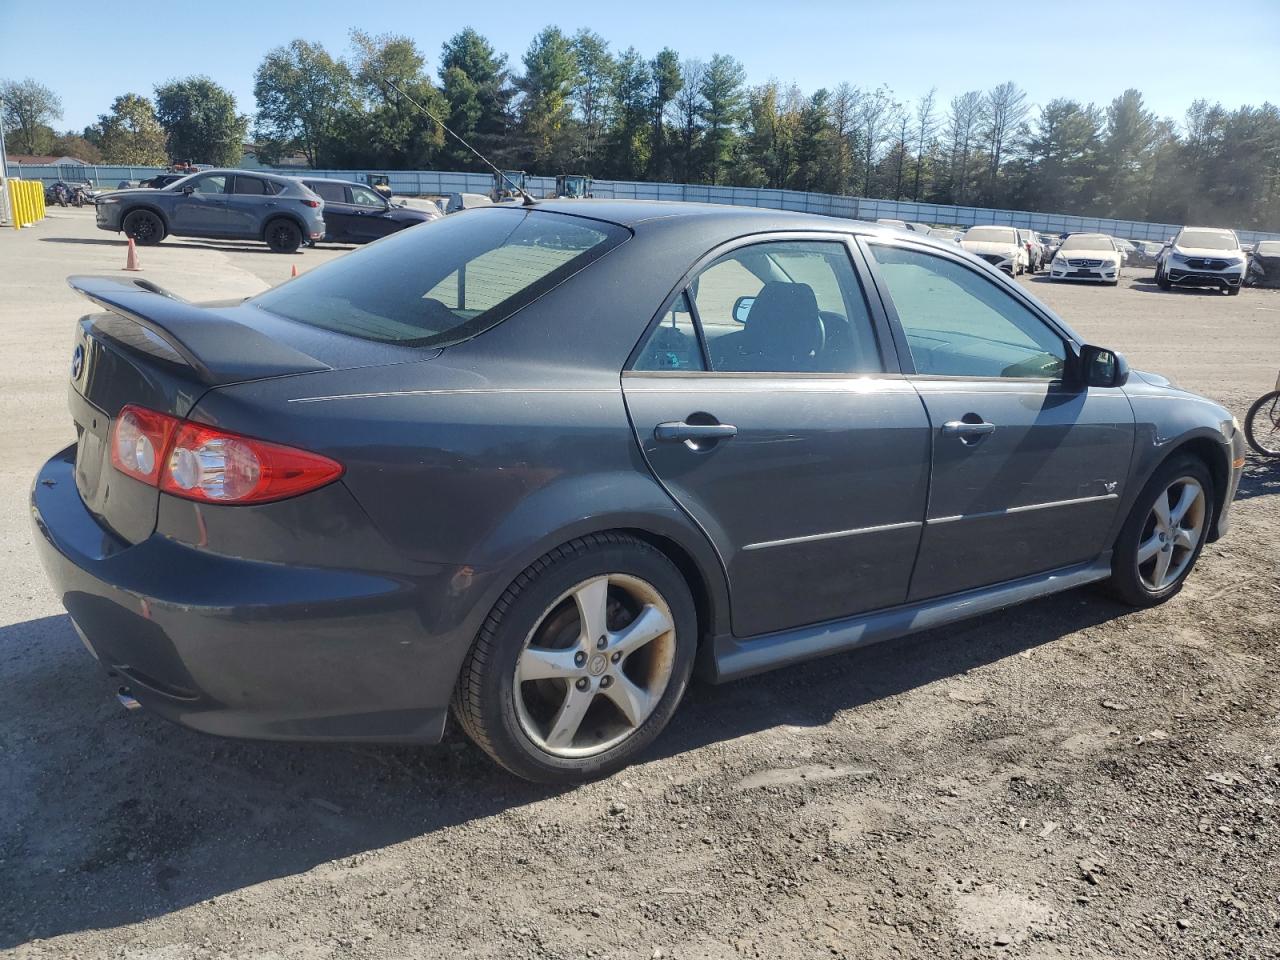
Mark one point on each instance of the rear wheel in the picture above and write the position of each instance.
(283, 236)
(582, 661)
(1162, 539)
(1262, 425)
(144, 228)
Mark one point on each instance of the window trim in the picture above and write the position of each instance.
(880, 328)
(1071, 343)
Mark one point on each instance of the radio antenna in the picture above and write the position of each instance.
(528, 200)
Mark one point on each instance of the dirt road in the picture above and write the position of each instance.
(1069, 779)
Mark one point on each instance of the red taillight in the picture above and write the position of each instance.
(312, 203)
(203, 463)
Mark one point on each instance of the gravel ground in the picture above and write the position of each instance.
(1069, 779)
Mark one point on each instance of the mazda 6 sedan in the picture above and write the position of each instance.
(567, 452)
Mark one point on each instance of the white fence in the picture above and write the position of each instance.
(420, 182)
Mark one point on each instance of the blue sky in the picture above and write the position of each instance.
(1083, 49)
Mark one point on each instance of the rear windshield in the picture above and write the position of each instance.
(1207, 240)
(992, 235)
(1087, 241)
(445, 281)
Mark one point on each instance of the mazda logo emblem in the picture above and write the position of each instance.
(77, 362)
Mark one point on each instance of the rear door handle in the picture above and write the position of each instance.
(963, 428)
(680, 430)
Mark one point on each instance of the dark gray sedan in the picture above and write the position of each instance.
(354, 213)
(219, 204)
(567, 451)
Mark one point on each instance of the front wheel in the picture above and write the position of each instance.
(1262, 425)
(144, 228)
(1162, 538)
(1233, 291)
(582, 661)
(283, 236)
(1162, 281)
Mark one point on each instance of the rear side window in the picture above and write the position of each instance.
(253, 186)
(673, 345)
(329, 192)
(465, 274)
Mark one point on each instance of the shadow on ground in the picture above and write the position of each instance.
(186, 243)
(112, 818)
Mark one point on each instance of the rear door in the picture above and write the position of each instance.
(203, 211)
(339, 215)
(1028, 471)
(767, 401)
(248, 203)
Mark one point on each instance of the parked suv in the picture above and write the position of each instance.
(222, 204)
(1202, 257)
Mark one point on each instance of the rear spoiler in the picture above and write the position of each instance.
(218, 348)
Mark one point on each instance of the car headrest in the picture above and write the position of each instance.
(784, 321)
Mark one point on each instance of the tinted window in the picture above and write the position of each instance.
(465, 274)
(960, 324)
(329, 192)
(673, 344)
(213, 184)
(785, 307)
(1207, 240)
(992, 235)
(251, 186)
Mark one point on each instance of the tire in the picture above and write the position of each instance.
(516, 717)
(144, 228)
(1139, 582)
(1161, 280)
(1233, 291)
(283, 236)
(1265, 411)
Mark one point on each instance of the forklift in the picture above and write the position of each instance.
(512, 185)
(380, 182)
(573, 186)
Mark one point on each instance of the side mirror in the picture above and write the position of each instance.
(188, 190)
(1100, 367)
(742, 308)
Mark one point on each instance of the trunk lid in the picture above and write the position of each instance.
(160, 352)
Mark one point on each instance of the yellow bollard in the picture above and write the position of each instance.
(26, 204)
(32, 188)
(40, 200)
(13, 204)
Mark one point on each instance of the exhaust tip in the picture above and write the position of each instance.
(127, 700)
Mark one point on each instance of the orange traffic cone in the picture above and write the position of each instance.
(131, 262)
(295, 271)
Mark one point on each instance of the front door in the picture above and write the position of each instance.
(764, 403)
(203, 211)
(372, 214)
(1028, 471)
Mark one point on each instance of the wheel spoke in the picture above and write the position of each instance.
(1184, 538)
(1149, 549)
(1161, 509)
(1190, 493)
(1162, 568)
(569, 717)
(649, 625)
(633, 700)
(542, 663)
(592, 599)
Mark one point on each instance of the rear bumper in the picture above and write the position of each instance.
(242, 648)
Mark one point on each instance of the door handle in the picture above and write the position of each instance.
(680, 430)
(965, 428)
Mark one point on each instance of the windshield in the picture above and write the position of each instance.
(1268, 248)
(445, 281)
(1207, 240)
(1087, 241)
(992, 235)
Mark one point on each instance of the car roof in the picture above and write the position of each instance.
(264, 174)
(349, 183)
(720, 220)
(1220, 230)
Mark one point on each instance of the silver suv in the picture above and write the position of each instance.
(220, 204)
(1202, 257)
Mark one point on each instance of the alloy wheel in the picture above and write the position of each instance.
(1171, 533)
(595, 666)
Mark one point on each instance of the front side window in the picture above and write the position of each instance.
(785, 307)
(210, 185)
(960, 324)
(466, 274)
(364, 197)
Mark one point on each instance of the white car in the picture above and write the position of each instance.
(1202, 257)
(1087, 256)
(999, 246)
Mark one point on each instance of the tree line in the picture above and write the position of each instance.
(574, 105)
